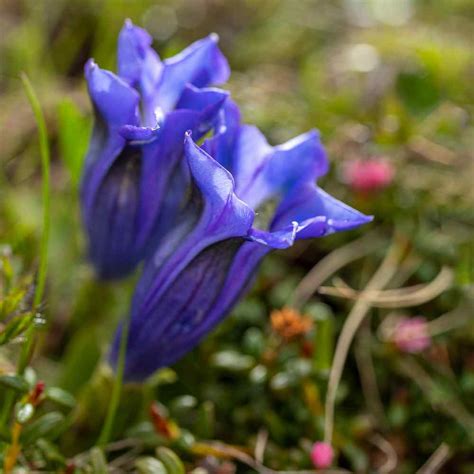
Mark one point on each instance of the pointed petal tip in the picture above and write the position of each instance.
(214, 37)
(188, 143)
(90, 65)
(128, 23)
(364, 219)
(348, 224)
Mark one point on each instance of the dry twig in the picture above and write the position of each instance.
(330, 264)
(391, 462)
(360, 309)
(395, 298)
(436, 461)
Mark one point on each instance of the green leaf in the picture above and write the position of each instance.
(149, 465)
(418, 90)
(47, 426)
(170, 460)
(15, 382)
(232, 361)
(60, 396)
(323, 338)
(98, 461)
(16, 326)
(12, 301)
(50, 451)
(206, 420)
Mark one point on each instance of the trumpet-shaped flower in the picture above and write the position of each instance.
(202, 269)
(133, 172)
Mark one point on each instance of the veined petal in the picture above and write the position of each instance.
(186, 333)
(179, 311)
(164, 181)
(138, 63)
(201, 64)
(113, 218)
(221, 216)
(180, 291)
(107, 163)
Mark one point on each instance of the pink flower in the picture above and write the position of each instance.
(412, 335)
(368, 175)
(322, 454)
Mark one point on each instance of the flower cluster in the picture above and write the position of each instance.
(412, 334)
(368, 175)
(289, 323)
(175, 181)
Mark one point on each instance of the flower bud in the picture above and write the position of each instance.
(412, 335)
(322, 454)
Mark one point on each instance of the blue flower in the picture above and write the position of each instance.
(133, 177)
(202, 269)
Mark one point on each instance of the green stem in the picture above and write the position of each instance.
(28, 346)
(117, 388)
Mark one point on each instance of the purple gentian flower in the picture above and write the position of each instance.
(133, 180)
(196, 278)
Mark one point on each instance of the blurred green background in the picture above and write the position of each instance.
(379, 78)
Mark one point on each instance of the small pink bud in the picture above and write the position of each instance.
(412, 335)
(368, 175)
(322, 454)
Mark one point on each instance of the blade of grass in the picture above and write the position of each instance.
(28, 345)
(46, 200)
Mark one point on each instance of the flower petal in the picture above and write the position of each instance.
(113, 218)
(316, 212)
(201, 64)
(164, 181)
(179, 311)
(115, 105)
(138, 63)
(132, 133)
(226, 132)
(222, 216)
(262, 171)
(184, 287)
(114, 100)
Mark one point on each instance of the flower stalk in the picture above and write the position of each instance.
(105, 434)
